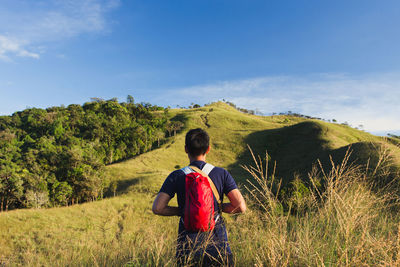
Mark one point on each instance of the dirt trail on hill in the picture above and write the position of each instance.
(205, 119)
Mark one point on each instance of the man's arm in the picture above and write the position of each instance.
(160, 206)
(237, 203)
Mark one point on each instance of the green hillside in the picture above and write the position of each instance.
(229, 130)
(122, 229)
(294, 143)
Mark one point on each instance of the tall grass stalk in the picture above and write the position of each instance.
(344, 224)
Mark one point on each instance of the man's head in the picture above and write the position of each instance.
(197, 142)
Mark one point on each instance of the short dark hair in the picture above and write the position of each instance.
(197, 142)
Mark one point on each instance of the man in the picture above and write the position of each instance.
(208, 248)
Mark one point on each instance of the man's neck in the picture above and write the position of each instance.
(197, 158)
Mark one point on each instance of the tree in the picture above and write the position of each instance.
(36, 199)
(61, 193)
(74, 116)
(130, 99)
(114, 187)
(176, 126)
(169, 127)
(11, 188)
(159, 134)
(84, 171)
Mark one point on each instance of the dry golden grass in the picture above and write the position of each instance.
(346, 224)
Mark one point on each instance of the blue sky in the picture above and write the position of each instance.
(331, 59)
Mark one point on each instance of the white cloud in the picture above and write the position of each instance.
(26, 25)
(15, 47)
(368, 100)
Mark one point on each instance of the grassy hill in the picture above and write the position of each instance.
(294, 143)
(122, 229)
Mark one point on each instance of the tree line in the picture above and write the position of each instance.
(57, 156)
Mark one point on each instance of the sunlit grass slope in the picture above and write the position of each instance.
(122, 229)
(294, 143)
(110, 232)
(229, 130)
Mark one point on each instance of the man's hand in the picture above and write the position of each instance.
(160, 206)
(237, 203)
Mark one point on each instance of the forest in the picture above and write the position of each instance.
(57, 156)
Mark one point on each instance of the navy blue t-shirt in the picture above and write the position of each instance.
(175, 183)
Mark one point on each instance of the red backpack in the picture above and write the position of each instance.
(199, 200)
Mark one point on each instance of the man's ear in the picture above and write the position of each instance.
(186, 150)
(208, 149)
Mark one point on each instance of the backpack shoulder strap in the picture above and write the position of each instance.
(187, 170)
(213, 188)
(207, 168)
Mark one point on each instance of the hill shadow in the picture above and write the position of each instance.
(128, 185)
(296, 148)
(121, 187)
(293, 148)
